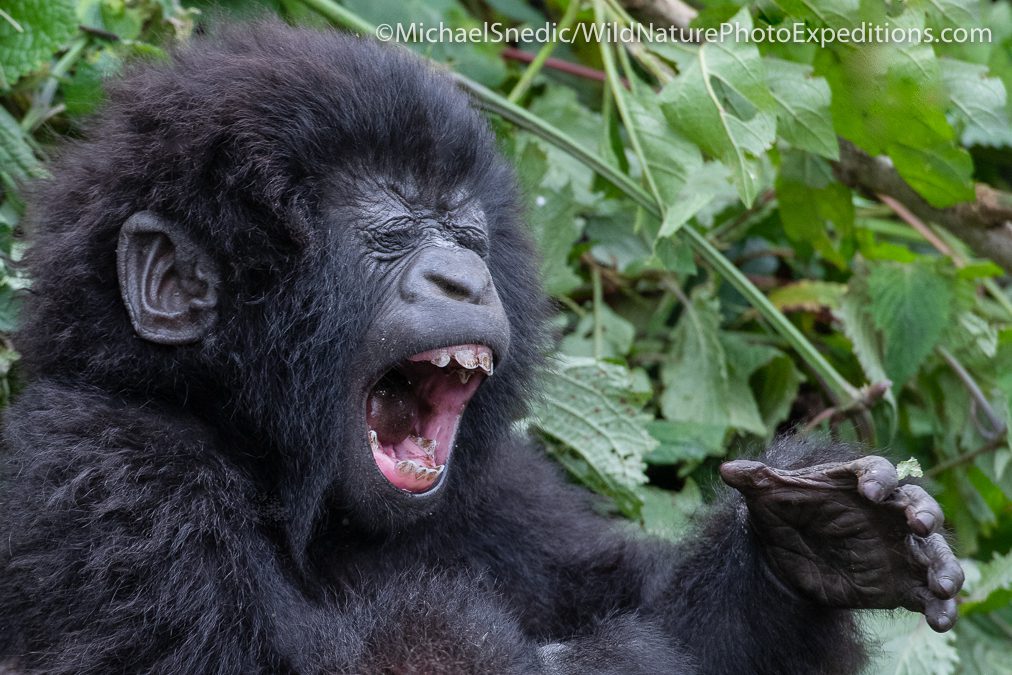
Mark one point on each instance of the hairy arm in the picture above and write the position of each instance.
(734, 597)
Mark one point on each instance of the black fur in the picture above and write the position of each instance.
(184, 510)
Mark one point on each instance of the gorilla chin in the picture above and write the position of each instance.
(412, 413)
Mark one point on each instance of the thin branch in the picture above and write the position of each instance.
(966, 457)
(524, 83)
(973, 389)
(985, 224)
(568, 67)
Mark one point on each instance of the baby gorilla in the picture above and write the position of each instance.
(284, 317)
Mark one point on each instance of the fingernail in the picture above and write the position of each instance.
(947, 585)
(926, 521)
(875, 491)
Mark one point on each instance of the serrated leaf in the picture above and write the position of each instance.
(668, 514)
(721, 102)
(35, 30)
(910, 306)
(593, 407)
(993, 588)
(551, 218)
(979, 103)
(16, 157)
(695, 375)
(908, 646)
(685, 442)
(803, 116)
(983, 646)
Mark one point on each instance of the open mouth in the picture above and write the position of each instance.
(413, 412)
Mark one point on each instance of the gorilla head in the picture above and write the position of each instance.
(317, 254)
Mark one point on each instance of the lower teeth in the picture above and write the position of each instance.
(409, 466)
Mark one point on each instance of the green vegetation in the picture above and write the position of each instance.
(743, 238)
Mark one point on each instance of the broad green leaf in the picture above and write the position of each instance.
(668, 514)
(993, 588)
(979, 103)
(832, 13)
(983, 645)
(31, 33)
(910, 307)
(674, 168)
(957, 13)
(593, 407)
(908, 645)
(803, 116)
(816, 210)
(551, 218)
(695, 375)
(685, 442)
(777, 385)
(889, 100)
(743, 359)
(860, 329)
(721, 102)
(17, 161)
(617, 336)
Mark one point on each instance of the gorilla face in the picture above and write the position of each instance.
(439, 330)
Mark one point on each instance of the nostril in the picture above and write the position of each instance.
(455, 287)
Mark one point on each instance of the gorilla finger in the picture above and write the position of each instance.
(746, 474)
(945, 576)
(876, 477)
(924, 515)
(940, 614)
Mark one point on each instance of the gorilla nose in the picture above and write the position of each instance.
(440, 273)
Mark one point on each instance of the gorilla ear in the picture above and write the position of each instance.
(169, 284)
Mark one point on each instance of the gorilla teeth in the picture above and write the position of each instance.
(411, 467)
(374, 443)
(466, 358)
(427, 445)
(441, 360)
(485, 361)
(464, 376)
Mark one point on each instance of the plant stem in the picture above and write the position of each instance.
(524, 83)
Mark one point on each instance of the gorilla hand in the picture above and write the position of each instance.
(845, 535)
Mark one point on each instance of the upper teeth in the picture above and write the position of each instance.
(467, 358)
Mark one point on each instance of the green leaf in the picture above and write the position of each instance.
(593, 407)
(983, 646)
(16, 157)
(908, 645)
(35, 30)
(888, 98)
(551, 218)
(695, 375)
(815, 209)
(803, 116)
(685, 442)
(833, 13)
(617, 334)
(979, 103)
(668, 514)
(909, 467)
(721, 102)
(993, 588)
(674, 167)
(808, 296)
(910, 306)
